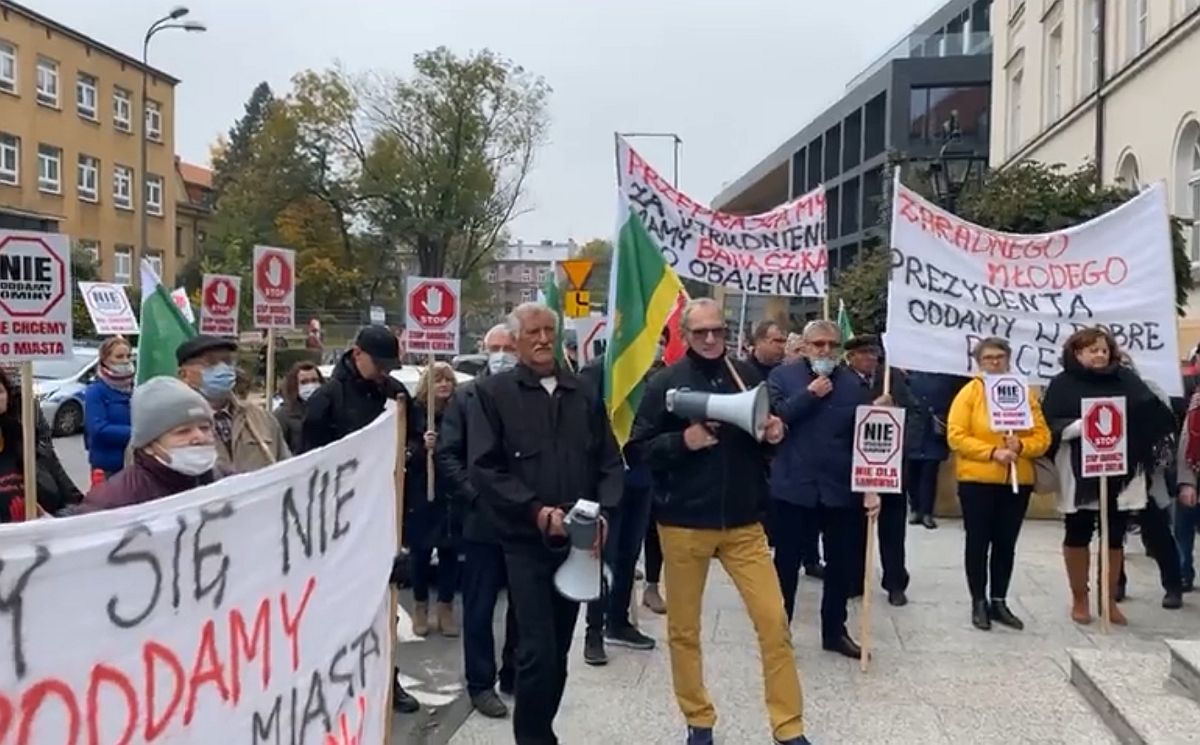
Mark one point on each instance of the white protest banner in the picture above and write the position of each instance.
(109, 307)
(434, 315)
(253, 610)
(781, 252)
(274, 287)
(954, 283)
(878, 450)
(1008, 402)
(220, 298)
(1103, 443)
(180, 297)
(35, 296)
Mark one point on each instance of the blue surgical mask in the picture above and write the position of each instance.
(823, 366)
(499, 362)
(217, 380)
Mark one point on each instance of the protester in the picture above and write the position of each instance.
(793, 348)
(314, 339)
(766, 347)
(992, 512)
(353, 397)
(810, 477)
(1091, 370)
(248, 438)
(106, 408)
(483, 570)
(810, 534)
(174, 447)
(539, 441)
(55, 490)
(301, 382)
(925, 438)
(431, 524)
(1187, 516)
(714, 485)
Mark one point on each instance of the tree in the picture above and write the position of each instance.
(1029, 197)
(83, 269)
(599, 251)
(230, 155)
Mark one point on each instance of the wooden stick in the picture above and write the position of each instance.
(825, 304)
(1105, 568)
(393, 593)
(887, 379)
(430, 426)
(1012, 472)
(864, 619)
(29, 440)
(270, 369)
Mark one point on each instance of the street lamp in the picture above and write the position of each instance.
(162, 24)
(676, 142)
(955, 166)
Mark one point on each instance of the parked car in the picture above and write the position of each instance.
(409, 375)
(471, 364)
(59, 387)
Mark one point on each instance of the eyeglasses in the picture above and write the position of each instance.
(824, 344)
(717, 332)
(993, 357)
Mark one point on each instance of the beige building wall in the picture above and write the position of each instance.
(1044, 96)
(35, 120)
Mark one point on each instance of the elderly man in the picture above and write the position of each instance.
(766, 347)
(714, 490)
(539, 442)
(483, 566)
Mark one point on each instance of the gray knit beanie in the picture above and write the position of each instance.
(160, 405)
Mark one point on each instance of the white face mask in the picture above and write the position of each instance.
(307, 389)
(499, 362)
(191, 460)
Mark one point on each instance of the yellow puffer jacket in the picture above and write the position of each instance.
(969, 432)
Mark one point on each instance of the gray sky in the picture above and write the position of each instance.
(734, 79)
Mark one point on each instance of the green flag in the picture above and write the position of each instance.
(163, 328)
(552, 297)
(843, 321)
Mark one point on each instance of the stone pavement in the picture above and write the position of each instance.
(934, 678)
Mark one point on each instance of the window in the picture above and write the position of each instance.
(935, 113)
(154, 195)
(154, 258)
(1187, 182)
(1128, 172)
(121, 109)
(1014, 110)
(89, 178)
(47, 82)
(10, 159)
(123, 187)
(1089, 46)
(50, 169)
(1054, 69)
(153, 121)
(92, 249)
(491, 275)
(85, 96)
(123, 264)
(527, 296)
(541, 274)
(526, 274)
(8, 67)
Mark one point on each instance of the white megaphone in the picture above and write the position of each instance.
(580, 576)
(747, 410)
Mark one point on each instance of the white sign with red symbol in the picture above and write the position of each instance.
(434, 314)
(1008, 403)
(592, 333)
(219, 295)
(274, 288)
(184, 303)
(35, 296)
(109, 307)
(1104, 449)
(878, 450)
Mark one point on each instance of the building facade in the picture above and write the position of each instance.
(70, 143)
(519, 269)
(935, 81)
(193, 210)
(1112, 82)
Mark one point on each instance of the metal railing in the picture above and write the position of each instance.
(928, 45)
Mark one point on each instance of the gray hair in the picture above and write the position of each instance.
(813, 327)
(499, 328)
(793, 343)
(685, 317)
(513, 323)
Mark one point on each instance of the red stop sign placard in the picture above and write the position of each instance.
(432, 305)
(273, 276)
(1104, 426)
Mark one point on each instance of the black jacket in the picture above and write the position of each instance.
(346, 403)
(724, 486)
(451, 457)
(529, 449)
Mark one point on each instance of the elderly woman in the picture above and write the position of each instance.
(1091, 369)
(992, 511)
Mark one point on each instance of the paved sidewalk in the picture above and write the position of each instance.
(934, 678)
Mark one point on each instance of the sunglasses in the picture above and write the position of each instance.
(716, 333)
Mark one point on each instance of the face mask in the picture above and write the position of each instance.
(499, 362)
(217, 381)
(823, 366)
(122, 370)
(191, 460)
(307, 389)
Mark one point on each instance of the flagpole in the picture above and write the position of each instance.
(742, 322)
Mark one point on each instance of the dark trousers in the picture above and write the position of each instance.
(483, 577)
(447, 573)
(621, 549)
(892, 530)
(654, 554)
(920, 481)
(1081, 525)
(992, 517)
(1185, 536)
(842, 528)
(545, 623)
(1156, 534)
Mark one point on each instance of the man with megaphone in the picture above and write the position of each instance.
(705, 428)
(544, 462)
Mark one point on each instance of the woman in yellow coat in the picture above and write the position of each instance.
(992, 512)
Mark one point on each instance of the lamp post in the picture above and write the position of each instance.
(954, 168)
(162, 24)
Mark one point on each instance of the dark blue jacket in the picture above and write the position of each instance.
(812, 464)
(107, 425)
(925, 423)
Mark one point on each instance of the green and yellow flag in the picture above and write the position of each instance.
(843, 322)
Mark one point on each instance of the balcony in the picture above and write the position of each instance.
(967, 44)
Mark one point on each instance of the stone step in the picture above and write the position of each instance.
(1131, 693)
(1185, 665)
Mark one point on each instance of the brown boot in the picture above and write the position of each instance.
(446, 620)
(653, 600)
(1077, 560)
(420, 619)
(1116, 560)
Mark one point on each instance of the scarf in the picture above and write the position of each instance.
(1150, 422)
(123, 383)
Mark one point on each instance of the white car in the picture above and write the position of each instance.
(59, 385)
(409, 375)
